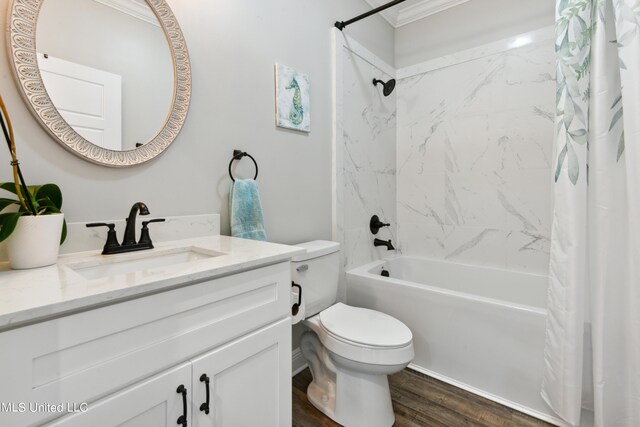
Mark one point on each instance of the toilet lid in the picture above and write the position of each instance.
(364, 326)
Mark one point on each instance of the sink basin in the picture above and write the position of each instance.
(140, 262)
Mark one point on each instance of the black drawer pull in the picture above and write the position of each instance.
(182, 419)
(205, 406)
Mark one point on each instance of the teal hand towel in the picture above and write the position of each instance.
(245, 210)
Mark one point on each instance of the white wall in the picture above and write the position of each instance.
(468, 25)
(474, 159)
(233, 47)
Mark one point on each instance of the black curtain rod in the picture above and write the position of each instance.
(341, 24)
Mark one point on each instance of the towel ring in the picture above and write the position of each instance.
(237, 155)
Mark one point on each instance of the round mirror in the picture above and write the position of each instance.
(109, 79)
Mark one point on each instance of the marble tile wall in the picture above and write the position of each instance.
(368, 160)
(474, 148)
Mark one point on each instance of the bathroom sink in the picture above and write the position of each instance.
(141, 261)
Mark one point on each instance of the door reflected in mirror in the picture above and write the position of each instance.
(108, 69)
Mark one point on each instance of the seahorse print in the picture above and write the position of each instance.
(296, 114)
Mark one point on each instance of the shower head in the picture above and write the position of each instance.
(387, 87)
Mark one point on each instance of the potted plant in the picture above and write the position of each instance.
(32, 222)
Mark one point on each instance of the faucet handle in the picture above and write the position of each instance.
(112, 238)
(101, 224)
(145, 238)
(375, 224)
(144, 223)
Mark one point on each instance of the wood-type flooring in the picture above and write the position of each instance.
(419, 400)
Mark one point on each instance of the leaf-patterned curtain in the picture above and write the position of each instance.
(592, 350)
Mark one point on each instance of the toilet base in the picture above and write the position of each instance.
(365, 400)
(349, 397)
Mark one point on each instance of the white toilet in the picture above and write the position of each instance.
(350, 350)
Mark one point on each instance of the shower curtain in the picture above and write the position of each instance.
(592, 349)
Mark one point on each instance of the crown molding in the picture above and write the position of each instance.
(403, 15)
(138, 9)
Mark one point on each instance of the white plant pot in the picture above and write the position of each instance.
(35, 242)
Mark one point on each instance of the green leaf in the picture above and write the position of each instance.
(569, 112)
(578, 29)
(563, 48)
(33, 189)
(620, 146)
(8, 222)
(9, 186)
(64, 232)
(580, 136)
(624, 39)
(36, 206)
(561, 157)
(7, 202)
(618, 99)
(617, 116)
(48, 206)
(579, 113)
(562, 5)
(574, 167)
(51, 192)
(559, 93)
(561, 26)
(573, 88)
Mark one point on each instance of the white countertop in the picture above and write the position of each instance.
(28, 296)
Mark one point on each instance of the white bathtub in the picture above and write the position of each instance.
(480, 329)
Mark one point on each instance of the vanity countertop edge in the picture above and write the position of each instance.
(30, 296)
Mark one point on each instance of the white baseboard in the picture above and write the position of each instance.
(298, 362)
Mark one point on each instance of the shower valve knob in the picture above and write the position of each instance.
(375, 224)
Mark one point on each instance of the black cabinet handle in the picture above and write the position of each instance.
(205, 406)
(182, 419)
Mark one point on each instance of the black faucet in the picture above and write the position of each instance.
(130, 230)
(387, 243)
(129, 243)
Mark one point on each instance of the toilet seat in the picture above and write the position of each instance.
(365, 327)
(350, 332)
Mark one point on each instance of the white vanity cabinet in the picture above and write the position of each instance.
(151, 403)
(126, 360)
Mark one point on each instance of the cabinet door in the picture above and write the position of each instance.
(250, 381)
(152, 403)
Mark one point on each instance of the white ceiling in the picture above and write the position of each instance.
(412, 10)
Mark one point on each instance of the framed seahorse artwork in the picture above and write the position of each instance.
(292, 99)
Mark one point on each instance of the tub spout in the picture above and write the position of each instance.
(387, 243)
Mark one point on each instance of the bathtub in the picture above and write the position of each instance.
(479, 329)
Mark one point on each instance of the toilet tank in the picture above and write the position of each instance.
(317, 272)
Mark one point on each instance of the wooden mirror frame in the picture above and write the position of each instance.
(21, 40)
